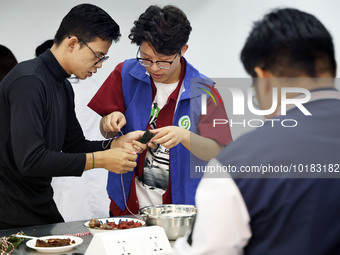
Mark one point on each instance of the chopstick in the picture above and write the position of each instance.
(24, 236)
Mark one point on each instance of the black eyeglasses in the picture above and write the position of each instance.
(100, 59)
(149, 63)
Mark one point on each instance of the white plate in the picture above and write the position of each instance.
(115, 220)
(31, 243)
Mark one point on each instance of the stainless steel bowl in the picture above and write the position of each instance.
(175, 219)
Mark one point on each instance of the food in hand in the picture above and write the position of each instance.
(146, 137)
(54, 242)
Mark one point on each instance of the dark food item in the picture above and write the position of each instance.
(54, 242)
(146, 137)
(112, 225)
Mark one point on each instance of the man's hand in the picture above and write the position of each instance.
(170, 136)
(118, 160)
(129, 141)
(111, 124)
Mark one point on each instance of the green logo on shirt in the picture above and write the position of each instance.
(184, 122)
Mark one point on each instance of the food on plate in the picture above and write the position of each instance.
(95, 223)
(54, 242)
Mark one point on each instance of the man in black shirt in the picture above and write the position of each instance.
(40, 136)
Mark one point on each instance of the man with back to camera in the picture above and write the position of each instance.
(153, 91)
(279, 215)
(40, 136)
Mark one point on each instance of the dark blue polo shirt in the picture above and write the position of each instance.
(292, 216)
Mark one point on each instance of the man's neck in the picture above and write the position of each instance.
(57, 52)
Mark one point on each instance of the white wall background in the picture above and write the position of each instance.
(220, 27)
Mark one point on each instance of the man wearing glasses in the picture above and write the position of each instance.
(152, 91)
(101, 58)
(40, 136)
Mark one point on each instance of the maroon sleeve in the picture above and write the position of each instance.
(109, 97)
(220, 133)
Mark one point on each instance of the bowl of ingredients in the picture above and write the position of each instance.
(175, 219)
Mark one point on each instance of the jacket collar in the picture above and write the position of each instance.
(139, 72)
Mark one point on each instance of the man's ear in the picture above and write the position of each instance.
(261, 73)
(184, 49)
(71, 44)
(265, 76)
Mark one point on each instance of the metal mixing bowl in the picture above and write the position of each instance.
(175, 219)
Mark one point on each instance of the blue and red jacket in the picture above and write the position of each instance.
(137, 92)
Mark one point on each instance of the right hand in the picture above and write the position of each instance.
(113, 122)
(128, 141)
(119, 160)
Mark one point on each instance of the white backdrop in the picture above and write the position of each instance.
(220, 27)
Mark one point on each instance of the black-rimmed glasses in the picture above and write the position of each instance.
(149, 63)
(100, 59)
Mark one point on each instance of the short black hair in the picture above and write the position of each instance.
(87, 21)
(166, 29)
(289, 42)
(7, 61)
(43, 47)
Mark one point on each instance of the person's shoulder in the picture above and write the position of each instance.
(192, 71)
(125, 66)
(194, 76)
(129, 63)
(125, 63)
(28, 67)
(25, 70)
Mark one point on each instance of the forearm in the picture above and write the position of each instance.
(202, 147)
(94, 160)
(117, 160)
